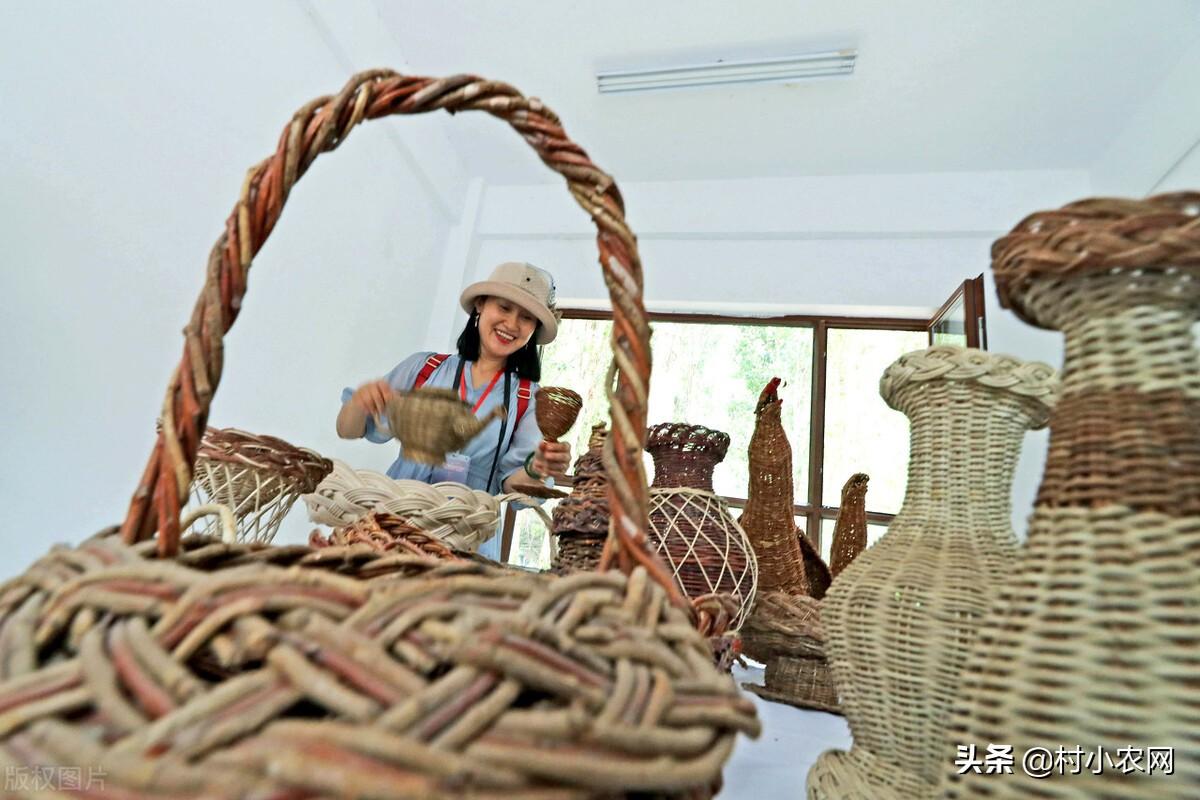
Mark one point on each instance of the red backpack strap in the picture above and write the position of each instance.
(524, 395)
(431, 363)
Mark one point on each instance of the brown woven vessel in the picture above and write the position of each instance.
(850, 530)
(556, 409)
(901, 618)
(581, 520)
(784, 633)
(787, 561)
(433, 422)
(217, 670)
(690, 526)
(1095, 638)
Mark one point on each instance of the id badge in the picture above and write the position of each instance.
(454, 470)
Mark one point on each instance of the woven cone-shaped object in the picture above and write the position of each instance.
(900, 619)
(769, 519)
(690, 526)
(850, 530)
(1096, 640)
(581, 519)
(258, 477)
(556, 409)
(190, 668)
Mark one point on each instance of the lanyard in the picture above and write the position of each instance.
(462, 391)
(460, 379)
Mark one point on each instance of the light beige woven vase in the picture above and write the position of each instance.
(1093, 656)
(899, 620)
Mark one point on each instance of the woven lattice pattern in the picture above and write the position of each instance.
(703, 546)
(900, 619)
(1095, 637)
(691, 528)
(786, 560)
(258, 477)
(245, 671)
(850, 530)
(386, 533)
(461, 516)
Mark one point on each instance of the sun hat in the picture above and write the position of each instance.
(528, 286)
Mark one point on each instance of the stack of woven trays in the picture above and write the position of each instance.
(785, 633)
(581, 519)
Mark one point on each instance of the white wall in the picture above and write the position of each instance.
(846, 245)
(123, 149)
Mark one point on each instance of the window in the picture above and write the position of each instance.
(709, 370)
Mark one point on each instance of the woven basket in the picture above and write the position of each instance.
(462, 517)
(901, 618)
(784, 633)
(258, 477)
(1095, 640)
(690, 526)
(218, 670)
(433, 422)
(850, 530)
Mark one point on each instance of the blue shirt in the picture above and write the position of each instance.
(482, 449)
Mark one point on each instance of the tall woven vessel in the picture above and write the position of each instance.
(900, 619)
(1096, 643)
(193, 668)
(850, 530)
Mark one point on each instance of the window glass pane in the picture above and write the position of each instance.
(951, 327)
(862, 434)
(873, 533)
(704, 374)
(531, 540)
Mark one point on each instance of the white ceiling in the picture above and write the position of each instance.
(941, 85)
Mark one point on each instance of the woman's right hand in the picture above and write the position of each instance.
(372, 397)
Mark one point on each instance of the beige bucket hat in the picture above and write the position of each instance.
(528, 286)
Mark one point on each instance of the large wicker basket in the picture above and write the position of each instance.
(196, 668)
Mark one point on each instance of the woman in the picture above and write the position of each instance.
(511, 313)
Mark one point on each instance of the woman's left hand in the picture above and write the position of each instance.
(552, 458)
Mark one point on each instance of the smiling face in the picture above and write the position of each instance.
(504, 327)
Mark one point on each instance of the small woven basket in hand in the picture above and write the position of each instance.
(258, 477)
(850, 530)
(433, 422)
(690, 525)
(196, 668)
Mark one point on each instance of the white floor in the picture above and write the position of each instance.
(775, 765)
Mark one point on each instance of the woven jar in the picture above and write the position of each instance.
(1096, 642)
(690, 526)
(581, 519)
(900, 619)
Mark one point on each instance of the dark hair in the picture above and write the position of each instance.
(526, 362)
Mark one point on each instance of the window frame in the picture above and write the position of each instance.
(813, 511)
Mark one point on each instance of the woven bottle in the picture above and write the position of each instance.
(581, 519)
(1096, 641)
(690, 526)
(850, 530)
(899, 620)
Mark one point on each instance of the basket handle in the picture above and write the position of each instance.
(321, 126)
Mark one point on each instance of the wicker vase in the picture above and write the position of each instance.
(1096, 643)
(899, 620)
(581, 520)
(690, 526)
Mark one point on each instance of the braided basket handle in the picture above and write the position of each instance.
(321, 126)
